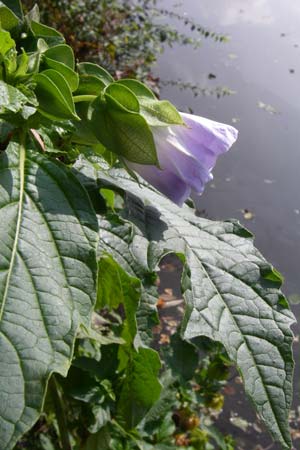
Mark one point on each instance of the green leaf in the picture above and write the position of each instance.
(51, 36)
(22, 65)
(134, 254)
(123, 132)
(140, 389)
(15, 6)
(70, 76)
(6, 129)
(6, 42)
(90, 85)
(156, 112)
(63, 54)
(116, 287)
(165, 404)
(132, 251)
(123, 96)
(12, 100)
(61, 58)
(8, 18)
(229, 292)
(54, 96)
(84, 134)
(139, 89)
(98, 441)
(81, 386)
(48, 235)
(159, 112)
(33, 14)
(87, 68)
(182, 358)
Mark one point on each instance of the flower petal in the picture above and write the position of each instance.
(172, 155)
(205, 139)
(187, 155)
(165, 181)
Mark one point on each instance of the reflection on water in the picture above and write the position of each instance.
(258, 181)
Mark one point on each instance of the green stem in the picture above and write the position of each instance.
(60, 414)
(84, 98)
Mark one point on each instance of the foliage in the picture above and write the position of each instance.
(125, 37)
(81, 240)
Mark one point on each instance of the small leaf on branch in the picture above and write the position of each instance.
(123, 132)
(87, 68)
(54, 96)
(156, 112)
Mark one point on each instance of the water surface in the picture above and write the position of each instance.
(261, 173)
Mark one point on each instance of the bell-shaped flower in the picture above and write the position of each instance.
(186, 154)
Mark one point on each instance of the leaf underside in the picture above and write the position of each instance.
(48, 240)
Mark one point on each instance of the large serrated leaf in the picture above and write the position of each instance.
(133, 252)
(232, 295)
(48, 240)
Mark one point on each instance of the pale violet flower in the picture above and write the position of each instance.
(187, 155)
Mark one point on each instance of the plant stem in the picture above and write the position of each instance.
(84, 98)
(60, 414)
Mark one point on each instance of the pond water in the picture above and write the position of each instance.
(258, 181)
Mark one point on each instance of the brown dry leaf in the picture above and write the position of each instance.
(164, 339)
(295, 434)
(182, 440)
(160, 303)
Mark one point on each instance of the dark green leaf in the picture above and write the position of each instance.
(123, 96)
(54, 96)
(95, 70)
(122, 132)
(133, 253)
(182, 358)
(15, 6)
(164, 404)
(46, 442)
(70, 76)
(5, 130)
(8, 18)
(63, 54)
(116, 287)
(50, 35)
(141, 388)
(98, 441)
(90, 85)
